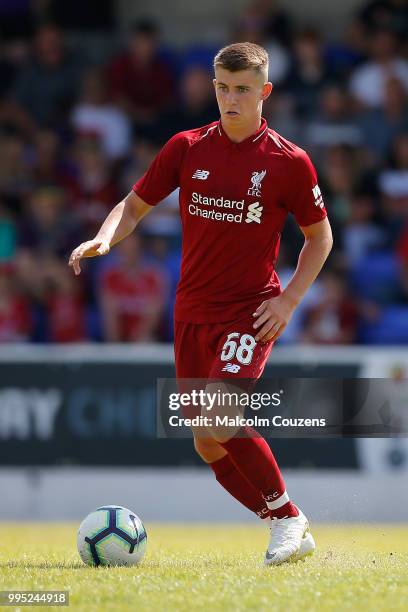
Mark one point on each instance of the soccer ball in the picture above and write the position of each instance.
(112, 535)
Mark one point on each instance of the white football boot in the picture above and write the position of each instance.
(290, 540)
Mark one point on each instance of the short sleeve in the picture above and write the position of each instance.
(304, 198)
(162, 177)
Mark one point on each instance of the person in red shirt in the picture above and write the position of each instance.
(333, 318)
(402, 256)
(238, 181)
(133, 296)
(65, 306)
(15, 316)
(91, 189)
(131, 84)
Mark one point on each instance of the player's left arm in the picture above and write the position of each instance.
(273, 315)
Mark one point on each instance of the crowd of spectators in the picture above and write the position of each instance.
(75, 134)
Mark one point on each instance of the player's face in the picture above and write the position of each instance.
(240, 96)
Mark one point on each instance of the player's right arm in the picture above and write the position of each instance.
(120, 222)
(159, 181)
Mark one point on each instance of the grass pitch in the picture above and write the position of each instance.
(214, 567)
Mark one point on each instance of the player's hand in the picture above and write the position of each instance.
(91, 248)
(272, 316)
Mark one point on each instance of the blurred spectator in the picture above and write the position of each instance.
(279, 64)
(381, 125)
(279, 111)
(48, 228)
(144, 148)
(8, 71)
(164, 220)
(95, 114)
(91, 188)
(141, 82)
(333, 319)
(361, 235)
(254, 25)
(46, 88)
(64, 307)
(309, 72)
(198, 54)
(333, 123)
(250, 24)
(8, 235)
(269, 17)
(393, 180)
(392, 14)
(286, 270)
(344, 54)
(368, 82)
(196, 106)
(402, 246)
(15, 174)
(47, 166)
(340, 174)
(162, 246)
(393, 185)
(56, 297)
(278, 23)
(15, 318)
(13, 56)
(402, 253)
(133, 295)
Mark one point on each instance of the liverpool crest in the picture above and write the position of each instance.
(256, 180)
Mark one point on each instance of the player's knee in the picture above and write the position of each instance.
(208, 449)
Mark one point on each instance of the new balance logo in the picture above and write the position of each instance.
(318, 198)
(202, 175)
(254, 213)
(231, 367)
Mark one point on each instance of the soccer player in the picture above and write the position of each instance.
(238, 181)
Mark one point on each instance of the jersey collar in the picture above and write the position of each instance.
(249, 142)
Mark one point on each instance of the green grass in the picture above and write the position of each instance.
(215, 567)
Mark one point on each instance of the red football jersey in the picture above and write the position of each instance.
(234, 200)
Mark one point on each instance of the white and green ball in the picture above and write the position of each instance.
(112, 535)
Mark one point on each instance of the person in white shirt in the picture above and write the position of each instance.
(368, 82)
(94, 113)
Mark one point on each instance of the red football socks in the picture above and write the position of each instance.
(234, 482)
(254, 459)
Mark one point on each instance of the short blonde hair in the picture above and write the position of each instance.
(243, 56)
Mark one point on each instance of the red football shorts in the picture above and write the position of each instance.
(219, 350)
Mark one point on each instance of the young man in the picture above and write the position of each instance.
(238, 181)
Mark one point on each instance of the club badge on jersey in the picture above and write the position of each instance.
(256, 180)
